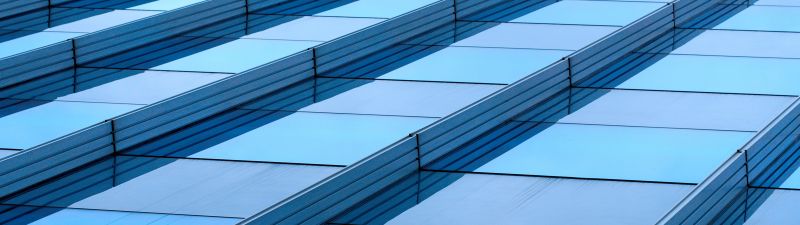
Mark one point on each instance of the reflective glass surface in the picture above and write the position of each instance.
(403, 98)
(4, 153)
(612, 152)
(780, 208)
(478, 65)
(102, 21)
(491, 199)
(50, 120)
(236, 56)
(143, 87)
(314, 28)
(675, 109)
(590, 13)
(764, 18)
(539, 36)
(165, 4)
(315, 138)
(376, 8)
(19, 215)
(777, 2)
(718, 74)
(174, 186)
(33, 41)
(748, 43)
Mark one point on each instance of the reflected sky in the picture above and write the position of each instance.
(611, 13)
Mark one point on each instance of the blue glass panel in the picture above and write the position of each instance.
(165, 4)
(590, 13)
(747, 43)
(376, 8)
(19, 215)
(780, 208)
(792, 182)
(36, 125)
(676, 110)
(479, 65)
(237, 56)
(33, 41)
(631, 153)
(541, 36)
(314, 28)
(719, 74)
(401, 97)
(318, 138)
(143, 87)
(778, 2)
(768, 18)
(103, 21)
(4, 153)
(175, 186)
(493, 199)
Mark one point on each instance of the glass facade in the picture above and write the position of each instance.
(399, 112)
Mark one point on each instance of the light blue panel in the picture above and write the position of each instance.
(65, 216)
(719, 74)
(780, 208)
(237, 56)
(403, 98)
(51, 120)
(541, 36)
(33, 41)
(610, 13)
(766, 18)
(318, 138)
(376, 8)
(679, 110)
(743, 43)
(479, 65)
(631, 153)
(4, 153)
(144, 88)
(792, 182)
(102, 21)
(165, 4)
(181, 186)
(314, 28)
(778, 2)
(493, 199)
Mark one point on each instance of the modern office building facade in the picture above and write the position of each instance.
(188, 112)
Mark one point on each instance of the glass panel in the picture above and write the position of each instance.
(19, 215)
(142, 87)
(452, 198)
(237, 56)
(102, 21)
(590, 13)
(778, 2)
(176, 186)
(50, 120)
(4, 153)
(780, 208)
(767, 18)
(747, 43)
(717, 74)
(33, 41)
(539, 36)
(611, 152)
(478, 65)
(376, 8)
(401, 98)
(674, 109)
(165, 4)
(295, 137)
(314, 28)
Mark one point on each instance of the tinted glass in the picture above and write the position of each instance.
(539, 36)
(590, 13)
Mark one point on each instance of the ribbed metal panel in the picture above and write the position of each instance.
(35, 63)
(10, 8)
